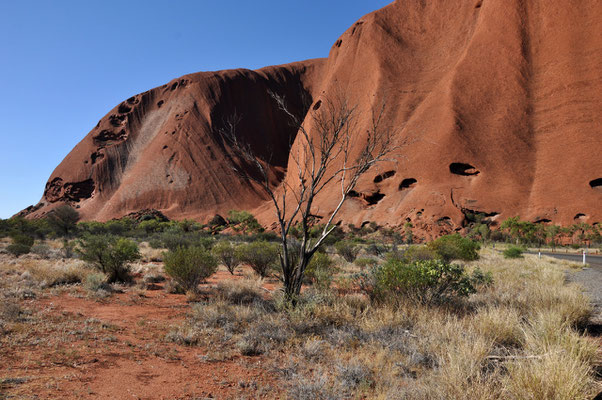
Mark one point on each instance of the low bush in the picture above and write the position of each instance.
(172, 241)
(243, 221)
(430, 281)
(225, 252)
(96, 282)
(110, 255)
(21, 244)
(513, 252)
(320, 271)
(239, 292)
(189, 266)
(261, 256)
(481, 278)
(419, 253)
(455, 247)
(172, 287)
(348, 250)
(42, 250)
(18, 249)
(155, 243)
(207, 242)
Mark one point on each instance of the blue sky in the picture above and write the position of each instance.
(65, 64)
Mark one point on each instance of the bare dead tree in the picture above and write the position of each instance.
(326, 151)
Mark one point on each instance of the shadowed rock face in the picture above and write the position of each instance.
(496, 106)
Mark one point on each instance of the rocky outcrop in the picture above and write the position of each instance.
(495, 103)
(161, 150)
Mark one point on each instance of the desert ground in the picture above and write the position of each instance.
(524, 335)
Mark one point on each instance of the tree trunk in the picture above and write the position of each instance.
(293, 283)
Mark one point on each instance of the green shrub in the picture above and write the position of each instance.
(315, 231)
(243, 221)
(22, 244)
(513, 252)
(419, 253)
(430, 281)
(120, 227)
(110, 255)
(455, 247)
(155, 243)
(18, 249)
(172, 241)
(20, 238)
(262, 237)
(150, 226)
(62, 220)
(225, 252)
(189, 266)
(117, 227)
(347, 249)
(480, 278)
(261, 256)
(18, 225)
(320, 270)
(206, 241)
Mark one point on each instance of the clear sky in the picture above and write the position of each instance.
(65, 64)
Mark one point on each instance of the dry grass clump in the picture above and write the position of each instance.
(554, 375)
(50, 274)
(518, 338)
(42, 273)
(244, 291)
(148, 254)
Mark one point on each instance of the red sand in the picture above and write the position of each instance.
(132, 359)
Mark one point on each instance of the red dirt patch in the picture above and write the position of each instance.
(115, 348)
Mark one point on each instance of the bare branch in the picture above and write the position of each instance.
(325, 150)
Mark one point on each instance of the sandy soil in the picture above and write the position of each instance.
(116, 349)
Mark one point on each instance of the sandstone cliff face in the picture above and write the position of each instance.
(161, 150)
(496, 103)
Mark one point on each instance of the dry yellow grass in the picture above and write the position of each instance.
(516, 339)
(148, 254)
(47, 272)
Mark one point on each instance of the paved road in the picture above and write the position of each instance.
(595, 261)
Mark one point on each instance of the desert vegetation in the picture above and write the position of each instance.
(376, 318)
